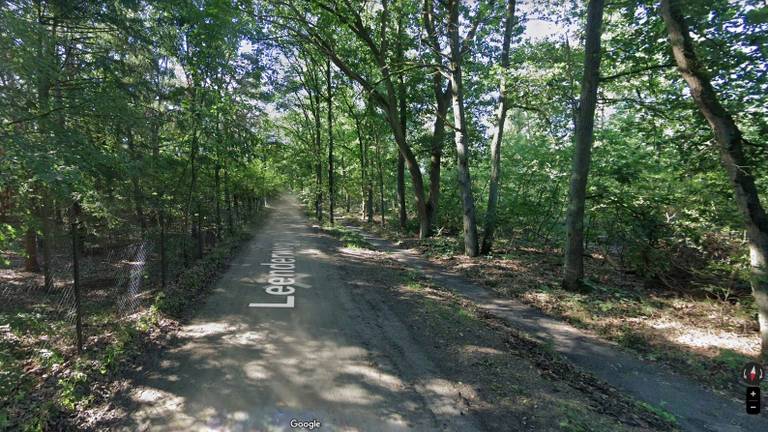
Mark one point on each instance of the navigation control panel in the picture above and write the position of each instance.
(753, 374)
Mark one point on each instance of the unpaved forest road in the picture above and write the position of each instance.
(242, 368)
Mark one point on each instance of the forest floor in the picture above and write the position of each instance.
(44, 383)
(704, 335)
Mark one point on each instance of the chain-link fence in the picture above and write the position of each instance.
(79, 273)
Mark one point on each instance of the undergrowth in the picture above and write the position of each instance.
(45, 385)
(348, 237)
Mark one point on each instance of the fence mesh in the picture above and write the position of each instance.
(120, 269)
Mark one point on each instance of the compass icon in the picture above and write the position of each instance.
(752, 373)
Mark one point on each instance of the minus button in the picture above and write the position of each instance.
(753, 400)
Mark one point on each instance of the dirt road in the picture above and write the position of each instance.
(239, 367)
(303, 333)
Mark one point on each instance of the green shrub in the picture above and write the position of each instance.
(197, 278)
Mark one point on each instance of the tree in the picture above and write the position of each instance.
(731, 143)
(460, 132)
(381, 88)
(442, 96)
(331, 194)
(498, 134)
(584, 136)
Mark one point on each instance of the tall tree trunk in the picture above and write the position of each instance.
(380, 169)
(363, 180)
(584, 135)
(319, 153)
(442, 97)
(199, 230)
(228, 201)
(30, 246)
(735, 162)
(498, 135)
(368, 185)
(442, 101)
(365, 184)
(369, 202)
(401, 213)
(163, 257)
(47, 63)
(319, 193)
(403, 109)
(191, 196)
(75, 232)
(217, 193)
(47, 227)
(138, 199)
(349, 200)
(462, 149)
(331, 197)
(236, 206)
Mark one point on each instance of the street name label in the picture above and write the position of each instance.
(281, 278)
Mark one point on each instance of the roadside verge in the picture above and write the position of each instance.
(694, 407)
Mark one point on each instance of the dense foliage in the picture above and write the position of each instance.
(128, 109)
(657, 202)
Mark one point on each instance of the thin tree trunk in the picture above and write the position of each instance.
(228, 201)
(380, 167)
(319, 193)
(736, 164)
(47, 228)
(217, 192)
(46, 53)
(584, 135)
(442, 101)
(462, 149)
(237, 210)
(403, 118)
(30, 246)
(192, 185)
(363, 179)
(369, 202)
(401, 213)
(163, 258)
(349, 201)
(75, 232)
(314, 98)
(331, 197)
(365, 185)
(442, 98)
(199, 230)
(498, 136)
(368, 185)
(138, 200)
